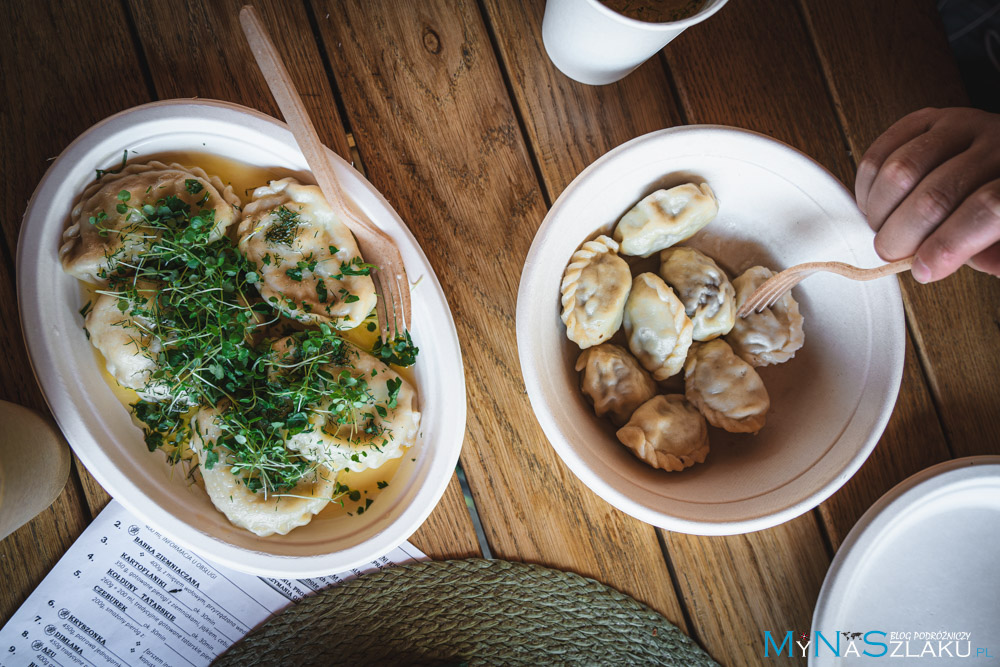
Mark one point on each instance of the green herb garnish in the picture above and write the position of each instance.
(283, 231)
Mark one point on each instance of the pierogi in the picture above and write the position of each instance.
(708, 297)
(386, 419)
(772, 336)
(107, 231)
(594, 289)
(666, 218)
(726, 389)
(656, 326)
(667, 432)
(614, 381)
(262, 512)
(310, 266)
(122, 331)
(683, 318)
(179, 321)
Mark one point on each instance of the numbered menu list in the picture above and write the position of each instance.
(126, 595)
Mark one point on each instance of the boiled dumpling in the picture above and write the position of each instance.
(309, 263)
(657, 328)
(667, 432)
(665, 218)
(726, 389)
(262, 513)
(594, 289)
(101, 241)
(613, 381)
(384, 420)
(127, 342)
(771, 336)
(708, 297)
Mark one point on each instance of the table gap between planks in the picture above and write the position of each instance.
(469, 131)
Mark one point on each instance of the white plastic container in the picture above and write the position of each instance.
(829, 404)
(595, 45)
(99, 428)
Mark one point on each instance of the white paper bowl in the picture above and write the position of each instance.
(829, 404)
(99, 428)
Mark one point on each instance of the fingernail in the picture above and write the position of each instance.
(920, 272)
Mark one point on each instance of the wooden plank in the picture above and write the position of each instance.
(197, 49)
(887, 69)
(28, 553)
(63, 67)
(570, 124)
(448, 531)
(94, 494)
(439, 137)
(739, 586)
(206, 55)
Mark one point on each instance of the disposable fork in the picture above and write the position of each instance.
(376, 246)
(774, 287)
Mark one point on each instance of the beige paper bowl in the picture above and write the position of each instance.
(829, 404)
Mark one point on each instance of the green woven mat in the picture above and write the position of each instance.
(475, 612)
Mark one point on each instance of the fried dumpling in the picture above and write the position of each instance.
(726, 389)
(106, 232)
(309, 263)
(122, 331)
(614, 381)
(772, 336)
(594, 289)
(708, 297)
(667, 432)
(383, 417)
(665, 218)
(262, 513)
(657, 328)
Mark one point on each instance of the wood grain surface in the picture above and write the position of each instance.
(439, 136)
(461, 121)
(55, 85)
(956, 321)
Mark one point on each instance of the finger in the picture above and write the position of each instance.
(988, 261)
(902, 131)
(971, 229)
(933, 200)
(907, 166)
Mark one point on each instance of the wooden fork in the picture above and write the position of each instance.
(376, 246)
(771, 289)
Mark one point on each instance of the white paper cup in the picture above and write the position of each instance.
(589, 42)
(34, 465)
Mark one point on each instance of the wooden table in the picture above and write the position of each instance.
(454, 112)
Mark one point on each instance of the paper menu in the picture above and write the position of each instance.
(124, 594)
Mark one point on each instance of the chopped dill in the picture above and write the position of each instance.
(284, 229)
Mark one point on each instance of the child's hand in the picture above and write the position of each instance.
(930, 186)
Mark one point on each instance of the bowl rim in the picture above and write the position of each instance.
(582, 469)
(443, 455)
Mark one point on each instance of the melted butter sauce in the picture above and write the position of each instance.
(244, 179)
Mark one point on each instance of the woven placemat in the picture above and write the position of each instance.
(475, 612)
